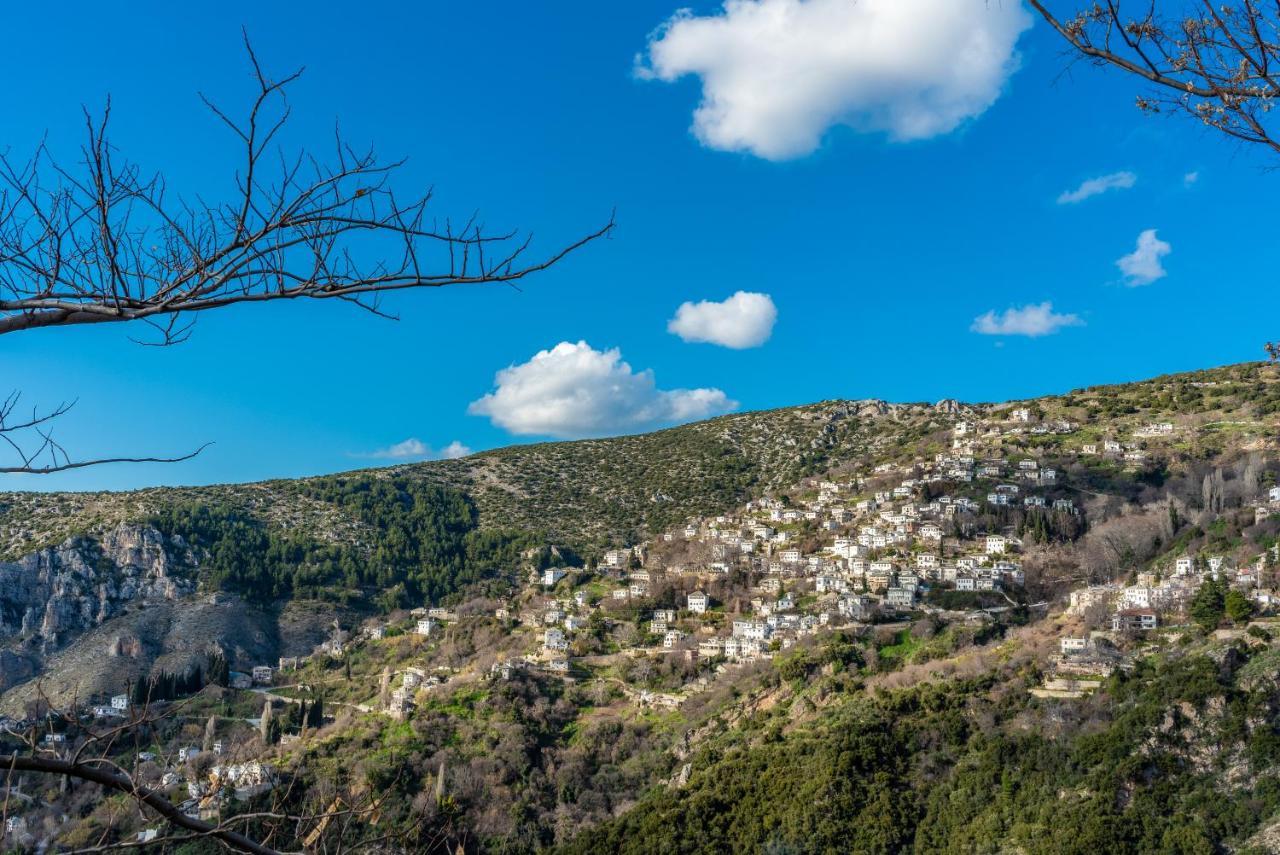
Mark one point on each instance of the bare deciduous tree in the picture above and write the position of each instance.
(102, 241)
(1215, 62)
(1218, 63)
(335, 818)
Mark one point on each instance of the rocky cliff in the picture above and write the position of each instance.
(50, 597)
(89, 615)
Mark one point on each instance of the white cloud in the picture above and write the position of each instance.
(574, 390)
(1098, 186)
(454, 450)
(744, 320)
(1190, 178)
(776, 74)
(1031, 321)
(415, 449)
(1143, 266)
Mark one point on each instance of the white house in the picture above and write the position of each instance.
(900, 597)
(697, 602)
(552, 575)
(120, 702)
(996, 544)
(425, 626)
(1070, 645)
(262, 675)
(554, 639)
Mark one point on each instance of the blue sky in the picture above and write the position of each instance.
(878, 254)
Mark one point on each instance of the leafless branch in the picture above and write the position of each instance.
(1214, 62)
(30, 441)
(102, 241)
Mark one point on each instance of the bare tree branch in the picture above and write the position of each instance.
(104, 242)
(30, 441)
(103, 775)
(1216, 63)
(101, 241)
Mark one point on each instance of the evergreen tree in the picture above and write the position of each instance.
(265, 723)
(218, 670)
(1208, 605)
(1237, 606)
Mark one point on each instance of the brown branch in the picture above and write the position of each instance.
(88, 771)
(104, 243)
(1216, 67)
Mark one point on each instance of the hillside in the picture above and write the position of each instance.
(1039, 626)
(593, 493)
(585, 493)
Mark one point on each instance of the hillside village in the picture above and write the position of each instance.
(938, 541)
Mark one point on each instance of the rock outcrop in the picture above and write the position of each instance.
(54, 595)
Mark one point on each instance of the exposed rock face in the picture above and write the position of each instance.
(52, 596)
(92, 614)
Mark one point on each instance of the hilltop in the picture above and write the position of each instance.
(591, 494)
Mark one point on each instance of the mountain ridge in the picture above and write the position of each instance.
(517, 484)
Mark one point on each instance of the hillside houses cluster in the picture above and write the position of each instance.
(867, 547)
(1162, 595)
(878, 544)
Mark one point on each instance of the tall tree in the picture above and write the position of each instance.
(264, 723)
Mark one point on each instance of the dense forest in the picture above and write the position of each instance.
(980, 766)
(418, 543)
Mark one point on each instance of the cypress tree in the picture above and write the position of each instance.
(264, 724)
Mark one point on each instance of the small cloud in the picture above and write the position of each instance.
(574, 391)
(1032, 321)
(1098, 186)
(415, 449)
(744, 320)
(454, 450)
(1190, 178)
(1143, 266)
(777, 74)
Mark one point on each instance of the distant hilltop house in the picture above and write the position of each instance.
(697, 602)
